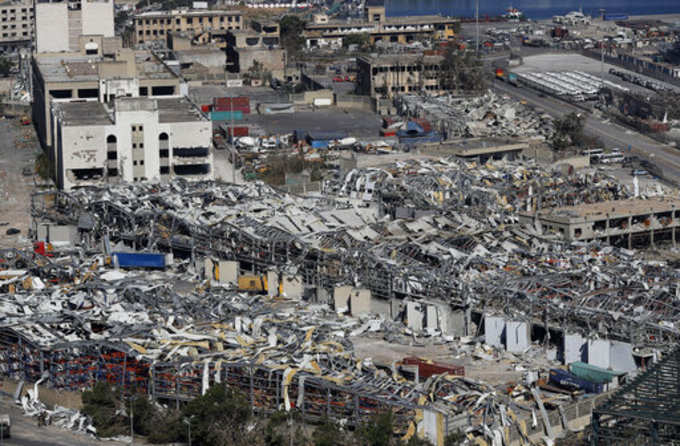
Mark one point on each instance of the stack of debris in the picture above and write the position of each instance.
(487, 115)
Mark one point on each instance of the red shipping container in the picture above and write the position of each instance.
(388, 132)
(427, 369)
(227, 108)
(238, 131)
(206, 108)
(235, 101)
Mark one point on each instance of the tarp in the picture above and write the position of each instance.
(593, 373)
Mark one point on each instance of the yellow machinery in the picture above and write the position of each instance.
(255, 284)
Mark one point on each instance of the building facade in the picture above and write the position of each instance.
(80, 76)
(16, 20)
(59, 25)
(153, 26)
(131, 140)
(392, 75)
(260, 43)
(324, 33)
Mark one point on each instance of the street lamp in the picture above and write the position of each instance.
(187, 421)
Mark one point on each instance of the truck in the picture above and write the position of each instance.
(5, 425)
(506, 76)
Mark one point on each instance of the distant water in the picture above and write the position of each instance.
(534, 9)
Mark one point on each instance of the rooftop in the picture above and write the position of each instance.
(611, 209)
(186, 12)
(178, 110)
(73, 67)
(391, 59)
(68, 67)
(410, 20)
(83, 113)
(95, 113)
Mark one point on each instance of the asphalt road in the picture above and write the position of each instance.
(25, 431)
(612, 135)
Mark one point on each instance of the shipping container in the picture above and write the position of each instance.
(241, 101)
(139, 260)
(238, 131)
(427, 368)
(206, 108)
(388, 132)
(245, 109)
(568, 380)
(226, 116)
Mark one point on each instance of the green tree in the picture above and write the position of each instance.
(567, 131)
(328, 433)
(378, 431)
(102, 406)
(360, 39)
(44, 166)
(461, 70)
(292, 28)
(219, 417)
(5, 66)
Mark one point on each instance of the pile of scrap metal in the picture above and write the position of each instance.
(136, 330)
(487, 115)
(489, 193)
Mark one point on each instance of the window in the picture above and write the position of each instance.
(141, 145)
(134, 128)
(177, 21)
(134, 163)
(141, 163)
(134, 145)
(141, 128)
(190, 20)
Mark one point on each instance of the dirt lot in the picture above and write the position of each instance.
(18, 149)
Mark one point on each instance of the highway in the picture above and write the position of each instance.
(612, 135)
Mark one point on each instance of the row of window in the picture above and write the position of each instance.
(161, 32)
(138, 163)
(13, 26)
(25, 33)
(189, 20)
(16, 19)
(13, 10)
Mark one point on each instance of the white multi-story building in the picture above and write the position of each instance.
(133, 139)
(59, 25)
(16, 24)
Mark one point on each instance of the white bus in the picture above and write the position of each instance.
(610, 158)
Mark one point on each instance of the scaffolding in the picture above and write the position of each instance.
(646, 411)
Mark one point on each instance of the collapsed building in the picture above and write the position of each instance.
(426, 249)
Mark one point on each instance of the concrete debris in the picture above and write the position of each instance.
(477, 116)
(270, 291)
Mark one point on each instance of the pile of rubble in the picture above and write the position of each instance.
(415, 252)
(477, 116)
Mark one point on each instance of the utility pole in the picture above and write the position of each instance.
(477, 27)
(132, 423)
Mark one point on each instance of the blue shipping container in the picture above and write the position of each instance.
(617, 17)
(139, 260)
(226, 115)
(568, 379)
(320, 144)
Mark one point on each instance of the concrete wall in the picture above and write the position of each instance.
(51, 23)
(494, 331)
(50, 397)
(354, 102)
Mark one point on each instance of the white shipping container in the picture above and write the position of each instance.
(322, 102)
